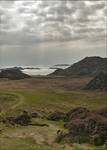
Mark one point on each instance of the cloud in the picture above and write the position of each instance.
(52, 20)
(42, 29)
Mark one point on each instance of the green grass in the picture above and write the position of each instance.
(7, 102)
(88, 147)
(29, 144)
(8, 99)
(42, 138)
(22, 144)
(49, 100)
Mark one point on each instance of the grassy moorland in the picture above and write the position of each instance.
(14, 100)
(50, 100)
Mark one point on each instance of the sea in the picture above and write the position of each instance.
(38, 70)
(42, 70)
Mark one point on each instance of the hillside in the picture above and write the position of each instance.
(89, 66)
(99, 82)
(13, 74)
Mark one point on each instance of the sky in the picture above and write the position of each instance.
(45, 32)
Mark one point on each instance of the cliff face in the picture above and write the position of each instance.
(89, 66)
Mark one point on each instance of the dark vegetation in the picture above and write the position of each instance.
(82, 125)
(24, 119)
(56, 116)
(13, 74)
(85, 126)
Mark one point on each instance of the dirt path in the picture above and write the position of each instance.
(20, 101)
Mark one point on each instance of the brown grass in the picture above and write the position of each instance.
(38, 83)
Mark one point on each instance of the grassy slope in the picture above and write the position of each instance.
(42, 138)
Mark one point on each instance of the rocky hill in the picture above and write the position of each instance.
(13, 74)
(99, 82)
(89, 66)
